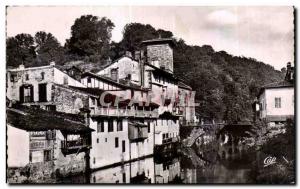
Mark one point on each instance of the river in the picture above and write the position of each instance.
(191, 166)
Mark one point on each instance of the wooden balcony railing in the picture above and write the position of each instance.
(112, 111)
(73, 146)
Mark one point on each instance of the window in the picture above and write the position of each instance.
(124, 177)
(277, 102)
(93, 101)
(149, 129)
(97, 140)
(105, 139)
(13, 77)
(65, 80)
(27, 77)
(28, 94)
(119, 125)
(89, 80)
(116, 142)
(94, 160)
(47, 155)
(100, 126)
(43, 92)
(123, 146)
(110, 126)
(43, 75)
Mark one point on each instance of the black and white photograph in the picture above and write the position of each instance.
(150, 95)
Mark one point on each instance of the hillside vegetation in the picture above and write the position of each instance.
(225, 85)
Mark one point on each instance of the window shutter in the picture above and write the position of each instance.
(31, 94)
(22, 94)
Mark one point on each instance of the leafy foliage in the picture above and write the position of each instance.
(90, 36)
(20, 50)
(225, 85)
(133, 35)
(48, 48)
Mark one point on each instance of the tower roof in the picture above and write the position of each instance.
(169, 41)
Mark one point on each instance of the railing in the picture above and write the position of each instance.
(73, 146)
(111, 111)
(169, 140)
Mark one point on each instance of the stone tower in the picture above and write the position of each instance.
(159, 53)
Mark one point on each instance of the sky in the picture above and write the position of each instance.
(263, 33)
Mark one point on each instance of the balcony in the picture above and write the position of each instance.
(118, 112)
(74, 146)
(137, 131)
(169, 140)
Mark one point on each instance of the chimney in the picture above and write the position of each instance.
(128, 53)
(289, 72)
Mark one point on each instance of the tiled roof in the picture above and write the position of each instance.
(159, 41)
(279, 84)
(31, 119)
(161, 72)
(183, 85)
(121, 83)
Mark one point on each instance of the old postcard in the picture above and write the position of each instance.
(150, 95)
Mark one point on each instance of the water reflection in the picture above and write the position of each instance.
(213, 163)
(228, 166)
(140, 171)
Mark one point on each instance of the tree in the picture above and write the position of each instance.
(20, 50)
(48, 48)
(135, 33)
(90, 36)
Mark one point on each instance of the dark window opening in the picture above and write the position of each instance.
(123, 146)
(278, 102)
(116, 142)
(43, 92)
(149, 128)
(13, 77)
(100, 126)
(124, 177)
(89, 80)
(119, 125)
(43, 75)
(27, 77)
(110, 126)
(47, 155)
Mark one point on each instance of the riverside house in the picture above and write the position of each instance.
(276, 100)
(131, 108)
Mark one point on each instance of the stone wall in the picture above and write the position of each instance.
(162, 53)
(68, 100)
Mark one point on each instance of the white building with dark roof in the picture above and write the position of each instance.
(276, 101)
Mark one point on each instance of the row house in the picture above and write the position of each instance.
(150, 70)
(276, 101)
(131, 107)
(123, 121)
